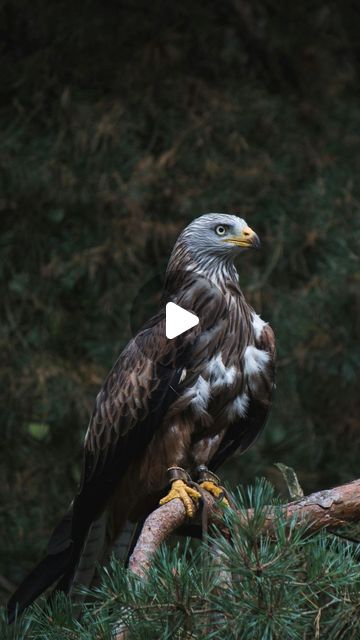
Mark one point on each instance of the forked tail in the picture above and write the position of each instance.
(61, 561)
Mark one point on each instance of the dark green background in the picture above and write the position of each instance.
(119, 123)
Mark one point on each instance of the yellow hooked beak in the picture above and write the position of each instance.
(247, 238)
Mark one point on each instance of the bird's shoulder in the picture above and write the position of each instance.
(144, 380)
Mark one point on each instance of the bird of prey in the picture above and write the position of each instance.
(170, 411)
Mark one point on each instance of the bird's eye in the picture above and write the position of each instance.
(220, 230)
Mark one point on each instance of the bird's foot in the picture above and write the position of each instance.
(180, 488)
(208, 481)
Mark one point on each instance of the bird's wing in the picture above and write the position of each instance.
(144, 382)
(138, 392)
(135, 397)
(243, 433)
(131, 405)
(129, 408)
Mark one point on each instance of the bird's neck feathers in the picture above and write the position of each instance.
(217, 268)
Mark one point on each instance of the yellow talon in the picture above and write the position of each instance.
(179, 489)
(216, 491)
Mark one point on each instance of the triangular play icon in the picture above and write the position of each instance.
(178, 320)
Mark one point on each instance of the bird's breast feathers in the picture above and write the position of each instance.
(229, 376)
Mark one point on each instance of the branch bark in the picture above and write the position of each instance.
(328, 509)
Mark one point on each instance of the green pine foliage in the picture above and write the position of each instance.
(255, 587)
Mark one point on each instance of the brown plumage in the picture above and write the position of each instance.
(183, 402)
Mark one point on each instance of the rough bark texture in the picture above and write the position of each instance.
(330, 509)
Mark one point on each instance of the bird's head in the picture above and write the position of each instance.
(218, 234)
(207, 247)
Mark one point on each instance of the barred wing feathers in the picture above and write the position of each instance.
(135, 397)
(145, 381)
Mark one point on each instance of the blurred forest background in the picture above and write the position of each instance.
(119, 123)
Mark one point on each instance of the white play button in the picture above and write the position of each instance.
(178, 320)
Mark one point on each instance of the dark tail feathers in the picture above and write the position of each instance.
(61, 560)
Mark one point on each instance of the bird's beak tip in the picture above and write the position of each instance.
(251, 238)
(256, 242)
(247, 239)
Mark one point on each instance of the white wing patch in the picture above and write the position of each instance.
(238, 407)
(220, 376)
(255, 360)
(258, 325)
(199, 395)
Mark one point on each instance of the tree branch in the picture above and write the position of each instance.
(328, 509)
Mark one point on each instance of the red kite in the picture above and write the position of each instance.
(168, 409)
